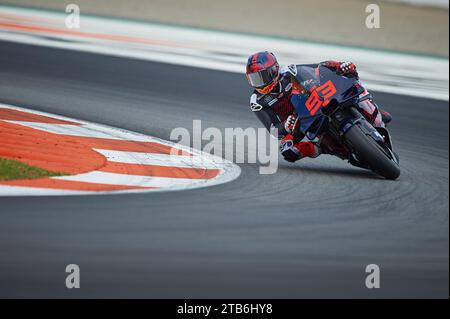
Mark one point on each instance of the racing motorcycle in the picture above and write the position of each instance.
(333, 109)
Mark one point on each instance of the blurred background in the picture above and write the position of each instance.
(419, 26)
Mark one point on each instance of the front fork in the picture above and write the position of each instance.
(364, 113)
(370, 110)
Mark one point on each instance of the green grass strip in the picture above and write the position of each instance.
(11, 170)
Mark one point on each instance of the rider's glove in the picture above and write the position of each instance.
(348, 68)
(289, 123)
(344, 68)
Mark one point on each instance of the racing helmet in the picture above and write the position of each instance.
(263, 71)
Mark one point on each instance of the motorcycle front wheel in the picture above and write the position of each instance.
(370, 152)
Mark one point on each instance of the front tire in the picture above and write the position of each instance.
(368, 151)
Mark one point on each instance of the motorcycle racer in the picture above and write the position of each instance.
(271, 102)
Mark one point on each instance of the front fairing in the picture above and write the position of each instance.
(316, 79)
(305, 119)
(318, 87)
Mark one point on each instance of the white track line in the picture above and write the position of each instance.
(161, 159)
(32, 191)
(86, 130)
(132, 180)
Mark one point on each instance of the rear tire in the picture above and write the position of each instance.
(368, 151)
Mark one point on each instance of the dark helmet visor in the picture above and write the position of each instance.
(263, 78)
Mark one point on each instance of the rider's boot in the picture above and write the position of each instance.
(293, 152)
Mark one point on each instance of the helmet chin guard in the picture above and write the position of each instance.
(267, 89)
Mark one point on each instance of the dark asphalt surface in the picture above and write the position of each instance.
(307, 231)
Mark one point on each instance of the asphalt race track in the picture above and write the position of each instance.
(307, 231)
